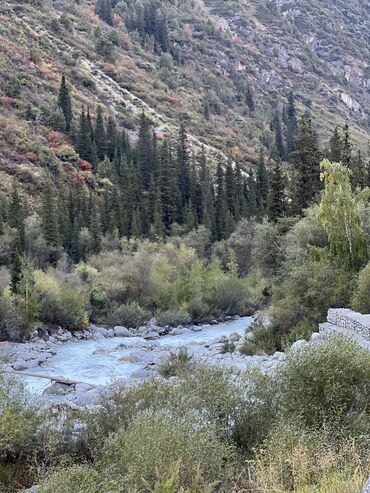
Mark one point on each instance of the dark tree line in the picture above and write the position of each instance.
(157, 187)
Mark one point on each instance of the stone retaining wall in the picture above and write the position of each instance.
(348, 323)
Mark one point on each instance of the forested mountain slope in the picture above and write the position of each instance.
(224, 67)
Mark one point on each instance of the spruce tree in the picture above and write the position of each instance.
(112, 138)
(84, 141)
(221, 209)
(292, 125)
(230, 190)
(144, 151)
(306, 159)
(346, 154)
(158, 225)
(65, 103)
(183, 165)
(49, 215)
(16, 215)
(335, 150)
(276, 204)
(279, 143)
(261, 184)
(99, 134)
(169, 185)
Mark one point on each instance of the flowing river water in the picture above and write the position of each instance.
(98, 362)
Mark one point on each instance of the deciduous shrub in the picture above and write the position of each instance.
(154, 445)
(361, 298)
(129, 314)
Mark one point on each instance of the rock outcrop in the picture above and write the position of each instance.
(348, 323)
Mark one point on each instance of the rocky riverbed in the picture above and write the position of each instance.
(76, 368)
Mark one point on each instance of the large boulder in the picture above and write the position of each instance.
(121, 331)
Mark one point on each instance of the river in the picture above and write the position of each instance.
(98, 362)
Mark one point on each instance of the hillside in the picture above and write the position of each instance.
(223, 66)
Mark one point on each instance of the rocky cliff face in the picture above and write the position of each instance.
(220, 53)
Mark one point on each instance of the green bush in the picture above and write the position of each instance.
(12, 88)
(328, 383)
(154, 445)
(295, 459)
(75, 479)
(260, 340)
(361, 298)
(302, 331)
(20, 419)
(227, 296)
(178, 364)
(129, 314)
(173, 316)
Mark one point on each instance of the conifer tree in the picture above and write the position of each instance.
(276, 204)
(112, 138)
(65, 103)
(135, 227)
(16, 215)
(183, 165)
(305, 158)
(99, 134)
(358, 178)
(158, 225)
(261, 184)
(251, 195)
(230, 190)
(221, 209)
(292, 125)
(169, 185)
(103, 8)
(144, 151)
(279, 143)
(95, 226)
(49, 216)
(346, 154)
(84, 141)
(335, 151)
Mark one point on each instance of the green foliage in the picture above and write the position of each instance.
(76, 479)
(361, 297)
(178, 364)
(302, 331)
(340, 216)
(327, 383)
(154, 445)
(19, 419)
(259, 340)
(173, 316)
(128, 314)
(12, 87)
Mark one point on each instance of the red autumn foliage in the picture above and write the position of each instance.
(31, 156)
(7, 102)
(172, 100)
(77, 177)
(110, 70)
(85, 165)
(116, 20)
(55, 137)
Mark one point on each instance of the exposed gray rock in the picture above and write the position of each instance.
(121, 331)
(151, 335)
(366, 488)
(234, 337)
(299, 345)
(20, 365)
(177, 331)
(57, 388)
